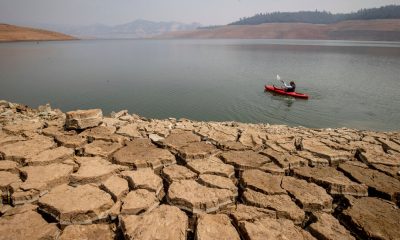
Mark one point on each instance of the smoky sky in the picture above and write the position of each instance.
(206, 12)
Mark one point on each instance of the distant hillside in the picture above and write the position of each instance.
(136, 29)
(363, 30)
(317, 17)
(15, 33)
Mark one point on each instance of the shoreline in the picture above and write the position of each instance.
(80, 174)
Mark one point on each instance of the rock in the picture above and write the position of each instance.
(373, 219)
(117, 187)
(141, 153)
(139, 201)
(196, 150)
(7, 139)
(112, 122)
(25, 196)
(243, 212)
(155, 138)
(9, 166)
(334, 181)
(293, 161)
(119, 114)
(102, 133)
(218, 227)
(93, 231)
(53, 131)
(176, 172)
(7, 179)
(245, 160)
(4, 103)
(334, 157)
(23, 126)
(370, 157)
(211, 165)
(216, 181)
(101, 148)
(313, 160)
(130, 118)
(389, 145)
(282, 204)
(115, 210)
(262, 182)
(82, 119)
(43, 178)
(130, 130)
(55, 155)
(160, 127)
(380, 183)
(388, 170)
(178, 139)
(44, 108)
(94, 170)
(145, 179)
(328, 228)
(268, 228)
(217, 132)
(309, 195)
(22, 150)
(165, 222)
(191, 196)
(274, 169)
(81, 205)
(20, 209)
(252, 137)
(27, 225)
(232, 145)
(71, 141)
(274, 146)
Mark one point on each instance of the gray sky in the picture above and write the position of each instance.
(206, 12)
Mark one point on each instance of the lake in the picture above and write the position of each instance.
(351, 84)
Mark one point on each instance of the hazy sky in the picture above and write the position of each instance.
(206, 12)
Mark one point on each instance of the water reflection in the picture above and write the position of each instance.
(287, 101)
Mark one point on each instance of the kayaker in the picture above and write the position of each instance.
(289, 88)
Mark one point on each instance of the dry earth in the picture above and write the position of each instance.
(367, 30)
(80, 175)
(10, 33)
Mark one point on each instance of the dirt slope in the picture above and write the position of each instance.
(15, 33)
(369, 30)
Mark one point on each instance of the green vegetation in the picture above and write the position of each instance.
(317, 17)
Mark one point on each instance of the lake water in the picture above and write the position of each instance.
(351, 84)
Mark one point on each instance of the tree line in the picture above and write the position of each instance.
(321, 17)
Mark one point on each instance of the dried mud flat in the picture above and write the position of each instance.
(81, 175)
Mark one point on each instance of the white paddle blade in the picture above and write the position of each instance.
(278, 77)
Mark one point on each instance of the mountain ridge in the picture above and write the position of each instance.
(138, 28)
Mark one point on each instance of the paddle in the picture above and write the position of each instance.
(278, 78)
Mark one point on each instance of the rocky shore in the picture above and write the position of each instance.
(82, 175)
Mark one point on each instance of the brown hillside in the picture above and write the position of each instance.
(10, 33)
(369, 30)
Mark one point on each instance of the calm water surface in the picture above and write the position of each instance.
(351, 84)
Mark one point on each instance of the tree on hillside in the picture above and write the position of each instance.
(321, 17)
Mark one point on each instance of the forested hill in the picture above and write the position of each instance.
(386, 12)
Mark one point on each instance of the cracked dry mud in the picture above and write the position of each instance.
(82, 175)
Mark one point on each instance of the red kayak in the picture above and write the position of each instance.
(282, 92)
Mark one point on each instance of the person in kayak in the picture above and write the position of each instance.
(289, 88)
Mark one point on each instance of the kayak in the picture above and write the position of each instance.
(282, 92)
